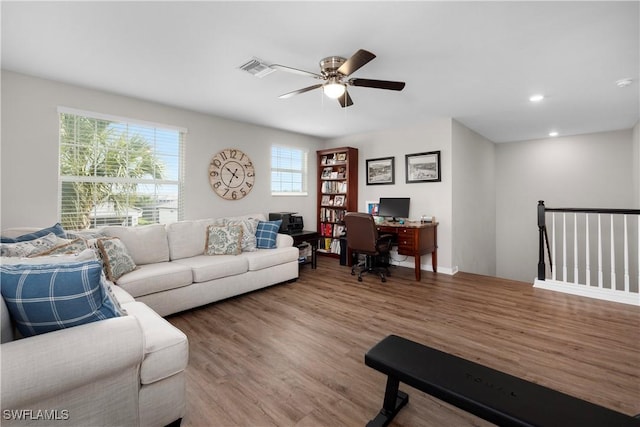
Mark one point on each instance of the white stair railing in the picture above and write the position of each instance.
(608, 237)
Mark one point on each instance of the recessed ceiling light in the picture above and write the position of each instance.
(536, 98)
(553, 133)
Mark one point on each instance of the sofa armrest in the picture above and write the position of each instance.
(42, 366)
(284, 241)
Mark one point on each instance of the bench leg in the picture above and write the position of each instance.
(394, 400)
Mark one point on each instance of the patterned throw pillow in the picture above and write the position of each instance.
(29, 248)
(115, 257)
(85, 255)
(48, 297)
(225, 240)
(65, 247)
(249, 227)
(266, 234)
(55, 229)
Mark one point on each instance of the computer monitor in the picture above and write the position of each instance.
(394, 207)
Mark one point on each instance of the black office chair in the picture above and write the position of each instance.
(363, 239)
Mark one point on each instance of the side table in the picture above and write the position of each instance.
(307, 236)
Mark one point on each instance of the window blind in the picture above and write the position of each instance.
(117, 171)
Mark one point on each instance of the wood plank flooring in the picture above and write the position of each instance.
(293, 354)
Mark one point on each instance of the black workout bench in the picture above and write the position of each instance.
(497, 397)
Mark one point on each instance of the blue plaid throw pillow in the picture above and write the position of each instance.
(266, 234)
(47, 297)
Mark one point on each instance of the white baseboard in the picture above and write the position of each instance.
(589, 291)
(425, 267)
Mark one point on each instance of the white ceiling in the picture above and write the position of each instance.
(477, 62)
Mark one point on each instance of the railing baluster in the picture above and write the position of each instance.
(621, 273)
(564, 247)
(553, 245)
(600, 278)
(613, 257)
(626, 255)
(586, 252)
(575, 248)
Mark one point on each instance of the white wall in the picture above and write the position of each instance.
(584, 171)
(474, 202)
(432, 198)
(30, 151)
(596, 170)
(636, 164)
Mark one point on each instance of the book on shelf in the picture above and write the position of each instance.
(334, 187)
(338, 230)
(326, 229)
(331, 215)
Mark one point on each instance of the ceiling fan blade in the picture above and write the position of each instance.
(296, 71)
(299, 91)
(377, 84)
(345, 100)
(356, 61)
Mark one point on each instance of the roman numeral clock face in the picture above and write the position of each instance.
(231, 174)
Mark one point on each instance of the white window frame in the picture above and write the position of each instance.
(303, 170)
(179, 183)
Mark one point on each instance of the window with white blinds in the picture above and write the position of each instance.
(288, 171)
(116, 171)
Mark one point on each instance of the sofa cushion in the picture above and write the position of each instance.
(122, 296)
(206, 267)
(32, 235)
(6, 325)
(48, 297)
(266, 234)
(115, 257)
(265, 258)
(146, 244)
(166, 348)
(188, 238)
(158, 277)
(223, 240)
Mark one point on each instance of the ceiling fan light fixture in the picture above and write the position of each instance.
(333, 89)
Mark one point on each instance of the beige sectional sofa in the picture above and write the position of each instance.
(130, 370)
(173, 274)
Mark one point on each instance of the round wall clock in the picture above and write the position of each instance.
(231, 174)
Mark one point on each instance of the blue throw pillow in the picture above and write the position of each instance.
(266, 234)
(47, 297)
(55, 229)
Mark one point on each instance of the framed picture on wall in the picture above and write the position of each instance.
(423, 167)
(380, 171)
(372, 208)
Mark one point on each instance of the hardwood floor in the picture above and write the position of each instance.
(293, 354)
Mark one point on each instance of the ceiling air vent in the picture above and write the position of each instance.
(256, 67)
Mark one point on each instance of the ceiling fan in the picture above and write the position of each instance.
(335, 72)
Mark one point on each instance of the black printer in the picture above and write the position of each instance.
(290, 222)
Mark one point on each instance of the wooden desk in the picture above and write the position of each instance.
(415, 239)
